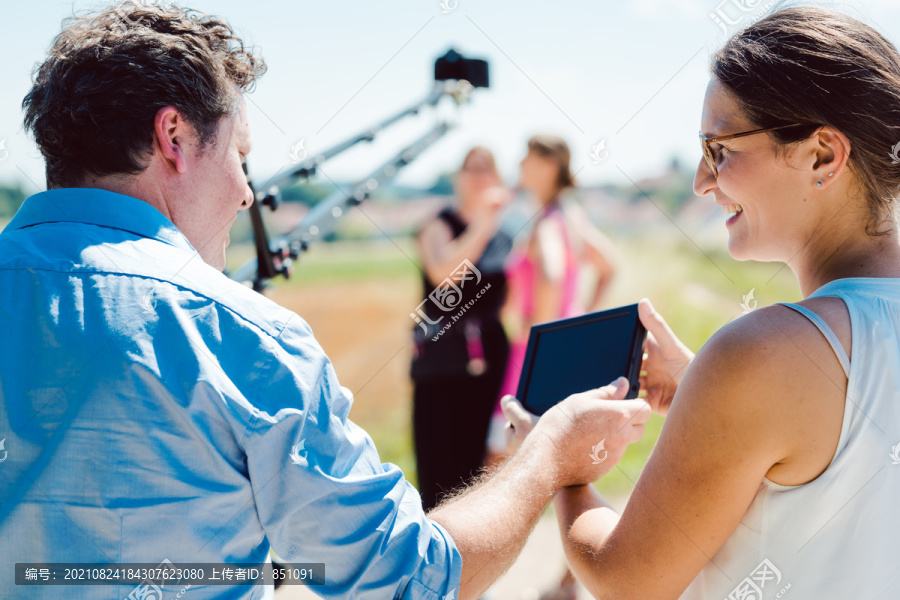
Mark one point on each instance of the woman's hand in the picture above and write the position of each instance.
(665, 360)
(493, 200)
(519, 422)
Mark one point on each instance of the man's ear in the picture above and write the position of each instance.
(170, 130)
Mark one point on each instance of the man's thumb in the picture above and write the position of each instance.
(618, 388)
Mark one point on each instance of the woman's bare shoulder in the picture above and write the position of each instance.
(767, 339)
(782, 330)
(775, 374)
(435, 231)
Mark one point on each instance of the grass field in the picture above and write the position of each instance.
(357, 298)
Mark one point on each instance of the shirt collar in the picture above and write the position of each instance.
(99, 207)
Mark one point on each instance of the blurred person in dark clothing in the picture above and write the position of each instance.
(460, 347)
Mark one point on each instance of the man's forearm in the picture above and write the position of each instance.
(490, 522)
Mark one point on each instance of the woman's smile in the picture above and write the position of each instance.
(735, 210)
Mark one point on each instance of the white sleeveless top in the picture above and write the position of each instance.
(837, 536)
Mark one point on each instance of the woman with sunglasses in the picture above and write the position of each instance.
(777, 473)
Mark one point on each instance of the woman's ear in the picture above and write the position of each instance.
(169, 129)
(831, 153)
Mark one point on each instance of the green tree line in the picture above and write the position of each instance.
(11, 198)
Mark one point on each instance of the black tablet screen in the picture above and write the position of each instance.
(575, 355)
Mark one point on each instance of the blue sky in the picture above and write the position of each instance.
(632, 73)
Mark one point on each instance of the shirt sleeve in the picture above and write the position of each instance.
(323, 495)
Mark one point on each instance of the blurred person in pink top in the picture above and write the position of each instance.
(542, 272)
(543, 268)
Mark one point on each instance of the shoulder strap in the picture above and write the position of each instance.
(826, 331)
(449, 216)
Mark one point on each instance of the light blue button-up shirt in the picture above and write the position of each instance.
(151, 409)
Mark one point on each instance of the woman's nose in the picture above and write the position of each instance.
(704, 180)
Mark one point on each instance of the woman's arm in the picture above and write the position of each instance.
(601, 257)
(754, 402)
(441, 254)
(597, 249)
(549, 247)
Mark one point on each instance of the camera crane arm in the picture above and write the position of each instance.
(454, 76)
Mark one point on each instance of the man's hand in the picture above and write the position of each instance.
(588, 432)
(665, 359)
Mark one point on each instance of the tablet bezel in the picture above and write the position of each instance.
(635, 351)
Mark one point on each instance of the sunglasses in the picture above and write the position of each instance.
(710, 156)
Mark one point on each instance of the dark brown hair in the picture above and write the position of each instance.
(552, 146)
(93, 101)
(820, 67)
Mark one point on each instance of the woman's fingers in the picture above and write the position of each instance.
(656, 325)
(520, 424)
(515, 412)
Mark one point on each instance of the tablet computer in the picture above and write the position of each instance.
(569, 356)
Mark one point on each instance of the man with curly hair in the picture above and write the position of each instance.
(153, 409)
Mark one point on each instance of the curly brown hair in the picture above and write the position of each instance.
(93, 101)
